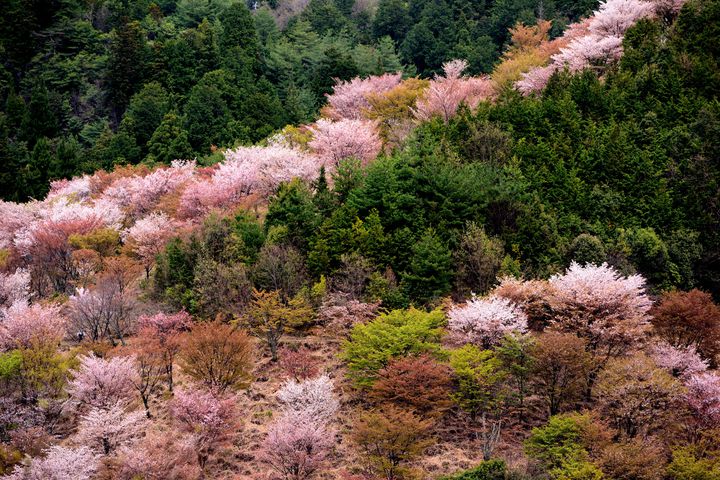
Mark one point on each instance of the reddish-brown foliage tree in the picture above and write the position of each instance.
(416, 383)
(218, 355)
(689, 319)
(633, 460)
(560, 368)
(533, 296)
(299, 364)
(166, 329)
(390, 439)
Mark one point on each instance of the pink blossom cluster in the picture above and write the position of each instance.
(333, 142)
(15, 217)
(313, 397)
(148, 236)
(78, 188)
(703, 398)
(163, 324)
(448, 91)
(139, 194)
(60, 463)
(64, 217)
(597, 45)
(349, 99)
(245, 171)
(600, 304)
(207, 418)
(297, 446)
(106, 429)
(22, 324)
(602, 288)
(103, 383)
(485, 321)
(299, 441)
(682, 363)
(14, 287)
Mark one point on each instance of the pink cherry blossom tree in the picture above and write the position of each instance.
(209, 419)
(615, 17)
(160, 455)
(313, 397)
(703, 397)
(105, 430)
(681, 363)
(349, 98)
(14, 287)
(297, 446)
(245, 171)
(139, 194)
(103, 383)
(608, 310)
(336, 141)
(15, 217)
(22, 324)
(485, 321)
(77, 189)
(148, 236)
(446, 93)
(60, 463)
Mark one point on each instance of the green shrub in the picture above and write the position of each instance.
(393, 334)
(490, 470)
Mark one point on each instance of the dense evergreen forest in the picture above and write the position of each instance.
(360, 240)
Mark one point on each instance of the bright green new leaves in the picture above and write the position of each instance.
(394, 334)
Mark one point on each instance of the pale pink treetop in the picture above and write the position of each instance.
(313, 397)
(247, 170)
(166, 323)
(333, 142)
(209, 418)
(703, 398)
(615, 17)
(21, 324)
(598, 303)
(78, 188)
(485, 321)
(446, 93)
(14, 217)
(535, 80)
(349, 98)
(104, 430)
(139, 194)
(103, 383)
(14, 287)
(160, 455)
(148, 236)
(60, 463)
(682, 363)
(65, 218)
(297, 446)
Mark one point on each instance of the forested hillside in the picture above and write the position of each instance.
(448, 240)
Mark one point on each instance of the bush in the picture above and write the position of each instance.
(559, 441)
(490, 470)
(394, 334)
